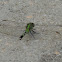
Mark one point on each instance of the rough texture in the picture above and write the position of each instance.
(47, 45)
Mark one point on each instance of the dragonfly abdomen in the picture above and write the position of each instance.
(22, 35)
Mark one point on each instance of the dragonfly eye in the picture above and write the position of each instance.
(33, 24)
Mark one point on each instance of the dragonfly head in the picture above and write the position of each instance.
(32, 24)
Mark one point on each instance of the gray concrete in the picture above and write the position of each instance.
(47, 45)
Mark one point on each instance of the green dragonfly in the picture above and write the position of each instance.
(29, 29)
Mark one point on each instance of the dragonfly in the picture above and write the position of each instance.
(29, 29)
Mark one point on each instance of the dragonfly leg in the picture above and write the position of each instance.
(32, 34)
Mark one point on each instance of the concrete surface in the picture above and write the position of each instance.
(47, 45)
